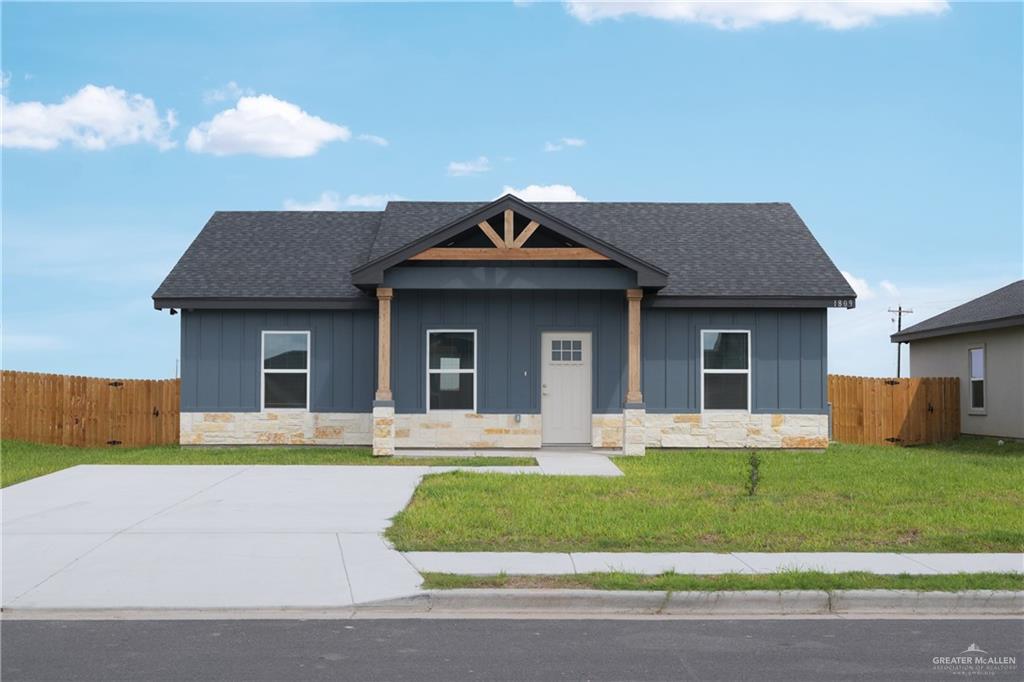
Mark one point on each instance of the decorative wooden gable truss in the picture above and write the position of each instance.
(510, 246)
(527, 234)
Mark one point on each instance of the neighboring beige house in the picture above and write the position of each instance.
(982, 342)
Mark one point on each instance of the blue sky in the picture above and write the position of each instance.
(897, 138)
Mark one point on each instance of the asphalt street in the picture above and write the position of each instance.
(431, 649)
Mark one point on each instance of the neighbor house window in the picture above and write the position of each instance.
(451, 370)
(976, 360)
(286, 370)
(725, 370)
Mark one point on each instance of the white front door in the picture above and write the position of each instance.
(565, 387)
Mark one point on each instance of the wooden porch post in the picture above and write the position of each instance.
(384, 296)
(633, 394)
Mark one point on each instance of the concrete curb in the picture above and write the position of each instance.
(989, 602)
(541, 603)
(752, 602)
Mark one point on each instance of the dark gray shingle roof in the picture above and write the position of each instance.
(731, 250)
(274, 254)
(709, 250)
(999, 308)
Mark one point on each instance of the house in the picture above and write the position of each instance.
(982, 342)
(506, 324)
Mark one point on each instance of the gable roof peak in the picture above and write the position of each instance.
(372, 272)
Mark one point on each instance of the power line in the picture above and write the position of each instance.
(900, 312)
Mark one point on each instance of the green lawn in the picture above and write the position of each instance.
(21, 461)
(676, 582)
(966, 496)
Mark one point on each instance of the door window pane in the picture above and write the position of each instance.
(451, 391)
(282, 350)
(567, 350)
(451, 350)
(725, 350)
(284, 390)
(725, 391)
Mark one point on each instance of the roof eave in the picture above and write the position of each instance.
(264, 303)
(675, 301)
(950, 330)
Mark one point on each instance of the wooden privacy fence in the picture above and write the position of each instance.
(69, 410)
(894, 411)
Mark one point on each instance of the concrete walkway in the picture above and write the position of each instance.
(550, 461)
(706, 563)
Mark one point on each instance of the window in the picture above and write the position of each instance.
(286, 370)
(725, 370)
(976, 362)
(451, 370)
(566, 350)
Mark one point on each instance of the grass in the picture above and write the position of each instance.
(20, 461)
(964, 496)
(794, 580)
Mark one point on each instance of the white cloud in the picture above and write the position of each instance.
(860, 286)
(5, 79)
(370, 200)
(265, 126)
(740, 15)
(544, 193)
(373, 139)
(328, 201)
(229, 92)
(332, 201)
(889, 287)
(93, 118)
(563, 143)
(481, 164)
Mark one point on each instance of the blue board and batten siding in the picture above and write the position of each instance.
(788, 356)
(221, 365)
(220, 358)
(509, 325)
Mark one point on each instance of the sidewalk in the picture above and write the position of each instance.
(706, 563)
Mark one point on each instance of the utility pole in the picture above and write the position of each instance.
(900, 312)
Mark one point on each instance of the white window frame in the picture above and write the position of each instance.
(263, 370)
(971, 409)
(476, 383)
(748, 371)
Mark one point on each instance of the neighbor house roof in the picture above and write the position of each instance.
(748, 251)
(1003, 307)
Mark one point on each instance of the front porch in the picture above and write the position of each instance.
(501, 366)
(486, 370)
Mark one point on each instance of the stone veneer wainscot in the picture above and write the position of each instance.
(275, 428)
(724, 429)
(471, 430)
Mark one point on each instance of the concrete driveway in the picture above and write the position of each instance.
(218, 537)
(125, 537)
